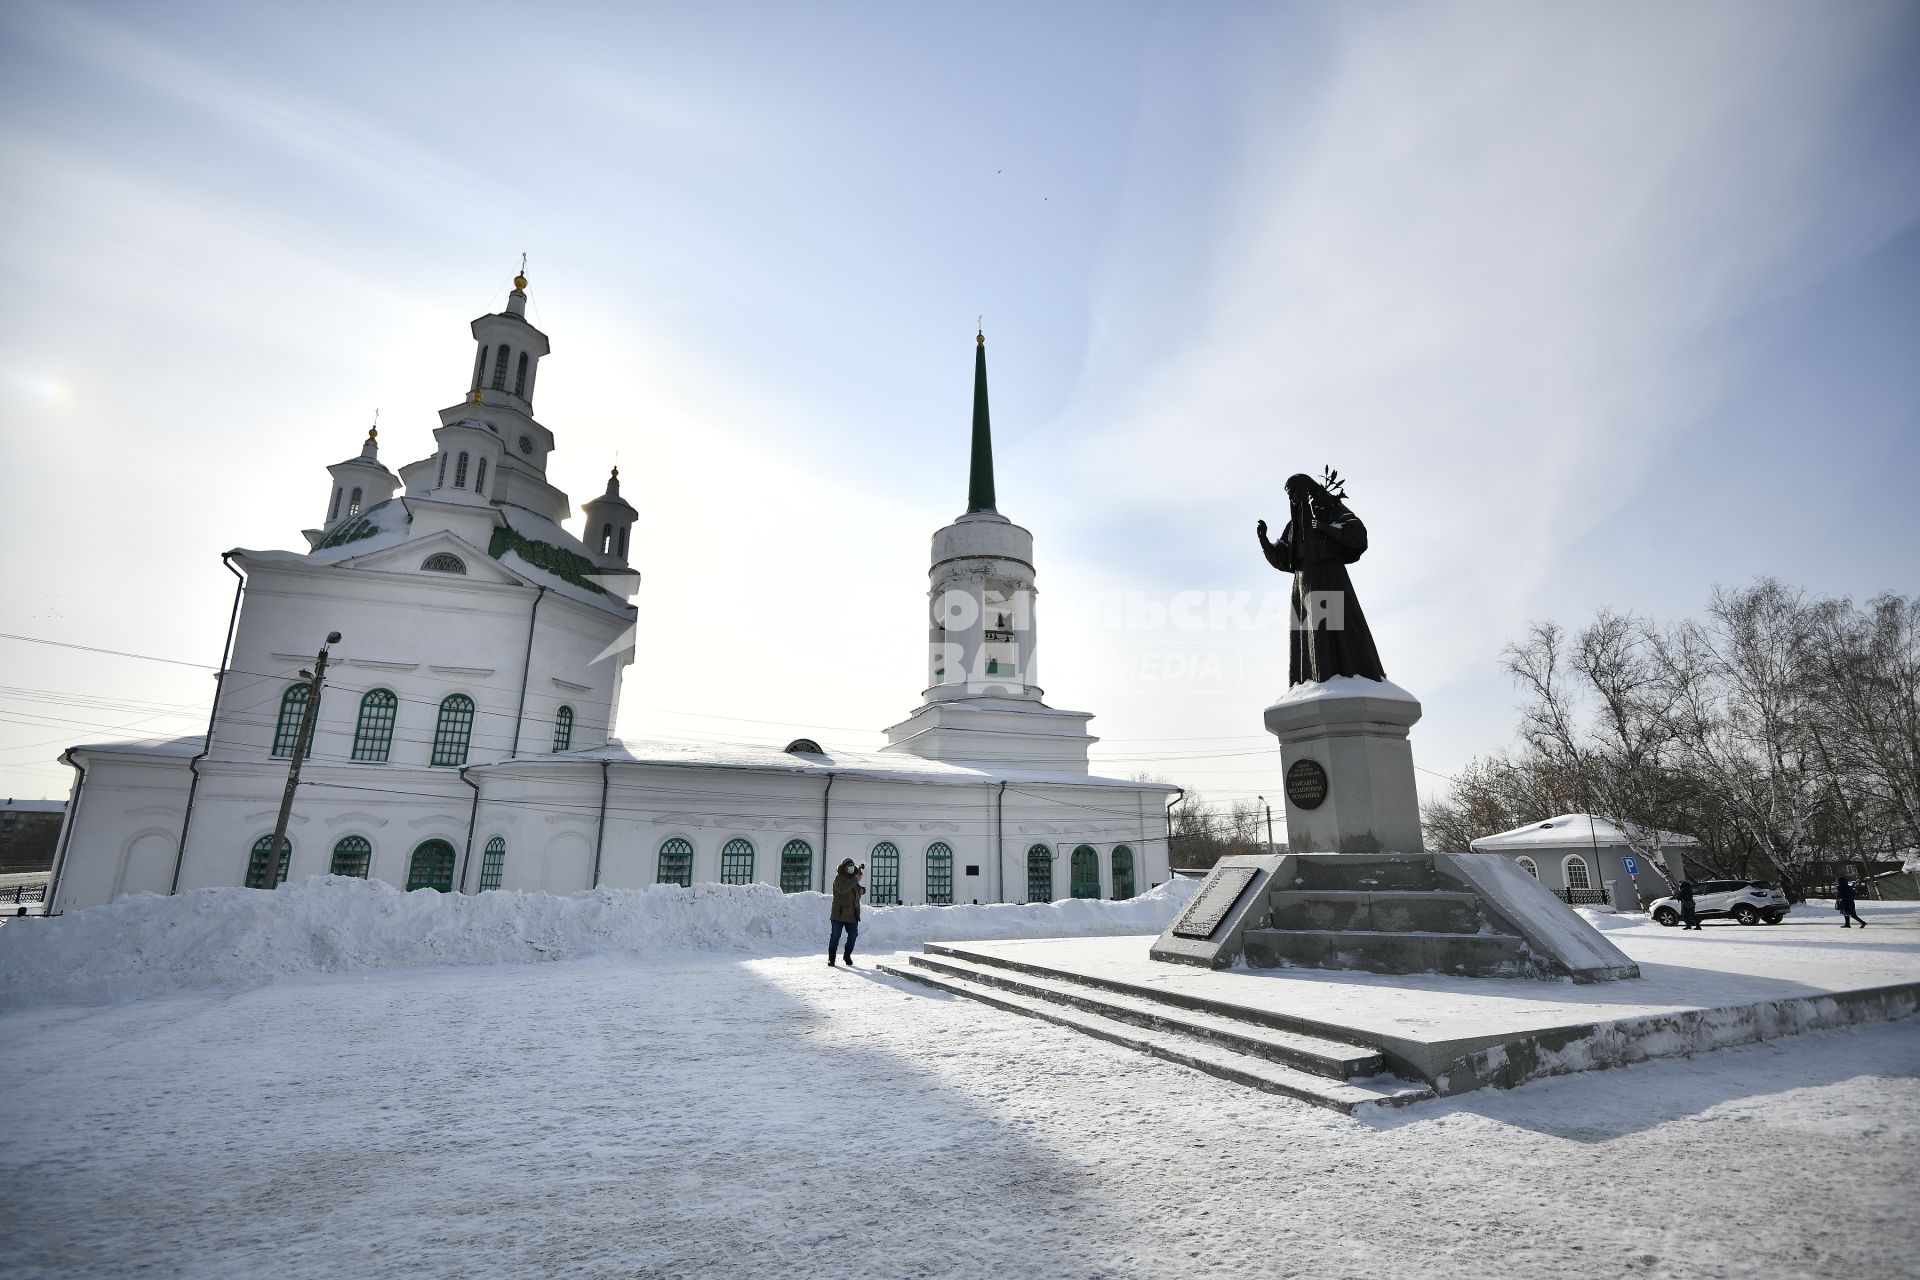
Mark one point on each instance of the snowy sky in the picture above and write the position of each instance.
(1594, 305)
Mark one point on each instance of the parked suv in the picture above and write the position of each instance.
(1748, 901)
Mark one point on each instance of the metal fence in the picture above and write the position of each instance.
(1584, 897)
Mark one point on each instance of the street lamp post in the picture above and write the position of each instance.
(308, 718)
(1269, 809)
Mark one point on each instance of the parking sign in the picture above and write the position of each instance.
(1633, 868)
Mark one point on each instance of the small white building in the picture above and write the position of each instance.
(462, 737)
(1590, 860)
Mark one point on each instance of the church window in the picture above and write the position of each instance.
(563, 729)
(1576, 867)
(440, 481)
(1039, 874)
(460, 471)
(454, 730)
(257, 862)
(623, 543)
(480, 477)
(373, 734)
(1529, 866)
(444, 562)
(520, 376)
(353, 504)
(479, 367)
(493, 864)
(940, 873)
(736, 862)
(352, 856)
(333, 512)
(1122, 872)
(676, 863)
(500, 368)
(293, 706)
(796, 867)
(885, 880)
(1085, 869)
(431, 867)
(606, 538)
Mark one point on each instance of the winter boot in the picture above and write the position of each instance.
(847, 959)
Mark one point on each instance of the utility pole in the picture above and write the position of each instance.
(1269, 809)
(311, 715)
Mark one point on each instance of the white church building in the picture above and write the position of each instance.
(462, 741)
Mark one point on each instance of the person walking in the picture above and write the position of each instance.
(1843, 902)
(845, 917)
(1689, 919)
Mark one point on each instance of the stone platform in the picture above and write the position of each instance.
(1348, 1040)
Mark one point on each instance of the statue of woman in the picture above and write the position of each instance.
(1329, 632)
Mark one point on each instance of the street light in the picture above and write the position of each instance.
(309, 717)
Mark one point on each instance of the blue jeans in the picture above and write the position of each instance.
(833, 939)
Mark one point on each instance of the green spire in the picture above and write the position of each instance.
(980, 478)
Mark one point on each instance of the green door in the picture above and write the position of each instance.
(1086, 872)
(432, 867)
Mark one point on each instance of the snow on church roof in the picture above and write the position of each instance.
(844, 763)
(1570, 829)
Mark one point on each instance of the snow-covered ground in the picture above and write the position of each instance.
(699, 1112)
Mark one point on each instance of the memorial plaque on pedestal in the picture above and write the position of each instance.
(1307, 784)
(1210, 906)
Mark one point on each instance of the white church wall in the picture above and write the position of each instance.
(122, 835)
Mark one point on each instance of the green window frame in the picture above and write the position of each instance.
(676, 862)
(940, 873)
(796, 867)
(563, 729)
(257, 862)
(453, 731)
(352, 856)
(431, 866)
(1084, 872)
(1039, 874)
(286, 731)
(493, 864)
(736, 862)
(1123, 886)
(373, 732)
(885, 878)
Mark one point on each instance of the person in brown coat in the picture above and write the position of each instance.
(847, 892)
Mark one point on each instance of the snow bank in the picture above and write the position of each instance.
(234, 938)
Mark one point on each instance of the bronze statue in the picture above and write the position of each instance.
(1323, 536)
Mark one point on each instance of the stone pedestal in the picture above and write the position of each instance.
(1348, 767)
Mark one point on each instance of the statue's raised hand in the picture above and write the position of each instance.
(1263, 528)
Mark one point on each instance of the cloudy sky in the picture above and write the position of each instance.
(1593, 304)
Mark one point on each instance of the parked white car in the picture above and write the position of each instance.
(1748, 901)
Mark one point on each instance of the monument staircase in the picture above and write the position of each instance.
(1275, 1052)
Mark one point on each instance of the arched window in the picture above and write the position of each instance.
(796, 867)
(940, 873)
(736, 862)
(373, 734)
(1085, 868)
(431, 867)
(606, 538)
(1122, 873)
(480, 477)
(563, 729)
(352, 856)
(520, 376)
(479, 367)
(623, 542)
(460, 471)
(333, 512)
(500, 368)
(1576, 869)
(493, 864)
(353, 503)
(293, 705)
(444, 562)
(257, 862)
(440, 481)
(1039, 874)
(1529, 866)
(884, 882)
(676, 863)
(453, 730)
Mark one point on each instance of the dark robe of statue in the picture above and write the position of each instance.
(1329, 634)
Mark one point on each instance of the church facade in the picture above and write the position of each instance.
(461, 741)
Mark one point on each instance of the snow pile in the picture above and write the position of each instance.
(233, 938)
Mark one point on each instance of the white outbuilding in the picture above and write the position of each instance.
(461, 741)
(1590, 860)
